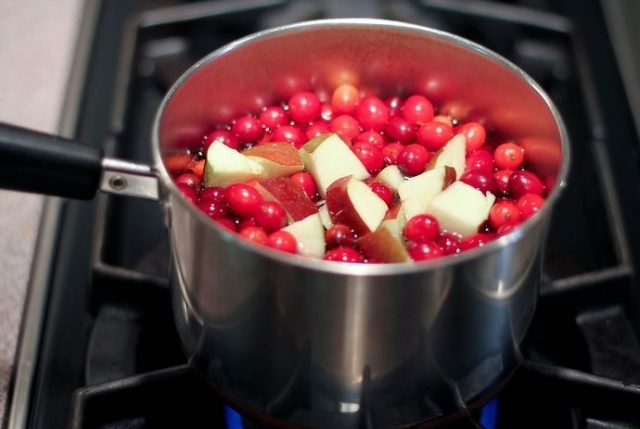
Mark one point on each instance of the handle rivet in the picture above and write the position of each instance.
(118, 183)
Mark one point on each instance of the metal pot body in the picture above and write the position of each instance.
(307, 342)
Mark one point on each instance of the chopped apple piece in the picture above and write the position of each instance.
(293, 199)
(278, 159)
(354, 204)
(225, 166)
(452, 154)
(382, 246)
(328, 158)
(309, 234)
(395, 221)
(323, 211)
(416, 192)
(461, 208)
(391, 176)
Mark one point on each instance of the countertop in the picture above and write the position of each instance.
(37, 44)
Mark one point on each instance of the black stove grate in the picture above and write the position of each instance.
(128, 369)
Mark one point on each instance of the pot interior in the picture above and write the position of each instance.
(381, 58)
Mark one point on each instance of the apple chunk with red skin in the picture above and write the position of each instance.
(416, 192)
(461, 208)
(309, 235)
(382, 246)
(293, 199)
(328, 158)
(278, 159)
(226, 166)
(452, 154)
(391, 176)
(394, 221)
(353, 203)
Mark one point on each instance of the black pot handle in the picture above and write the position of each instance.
(36, 162)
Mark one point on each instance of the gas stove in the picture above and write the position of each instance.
(99, 348)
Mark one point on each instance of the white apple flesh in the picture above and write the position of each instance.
(309, 235)
(453, 154)
(391, 176)
(226, 166)
(461, 208)
(394, 221)
(416, 192)
(353, 203)
(328, 158)
(324, 216)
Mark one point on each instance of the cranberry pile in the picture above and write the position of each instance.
(261, 206)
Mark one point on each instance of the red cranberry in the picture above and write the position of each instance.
(339, 235)
(282, 241)
(248, 129)
(271, 216)
(190, 179)
(345, 98)
(290, 134)
(227, 223)
(346, 127)
(413, 159)
(424, 251)
(449, 242)
(274, 116)
(188, 192)
(246, 222)
(382, 191)
(306, 183)
(394, 104)
(369, 156)
(223, 136)
(476, 240)
(525, 182)
(421, 228)
(316, 129)
(213, 209)
(506, 229)
(255, 234)
(475, 135)
(529, 204)
(371, 137)
(433, 135)
(508, 156)
(213, 193)
(400, 129)
(343, 254)
(503, 212)
(417, 109)
(480, 160)
(266, 138)
(372, 113)
(502, 179)
(391, 153)
(481, 180)
(327, 112)
(304, 107)
(242, 199)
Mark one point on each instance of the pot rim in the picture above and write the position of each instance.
(358, 269)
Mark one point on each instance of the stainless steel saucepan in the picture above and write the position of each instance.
(299, 341)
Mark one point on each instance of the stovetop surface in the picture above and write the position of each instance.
(110, 356)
